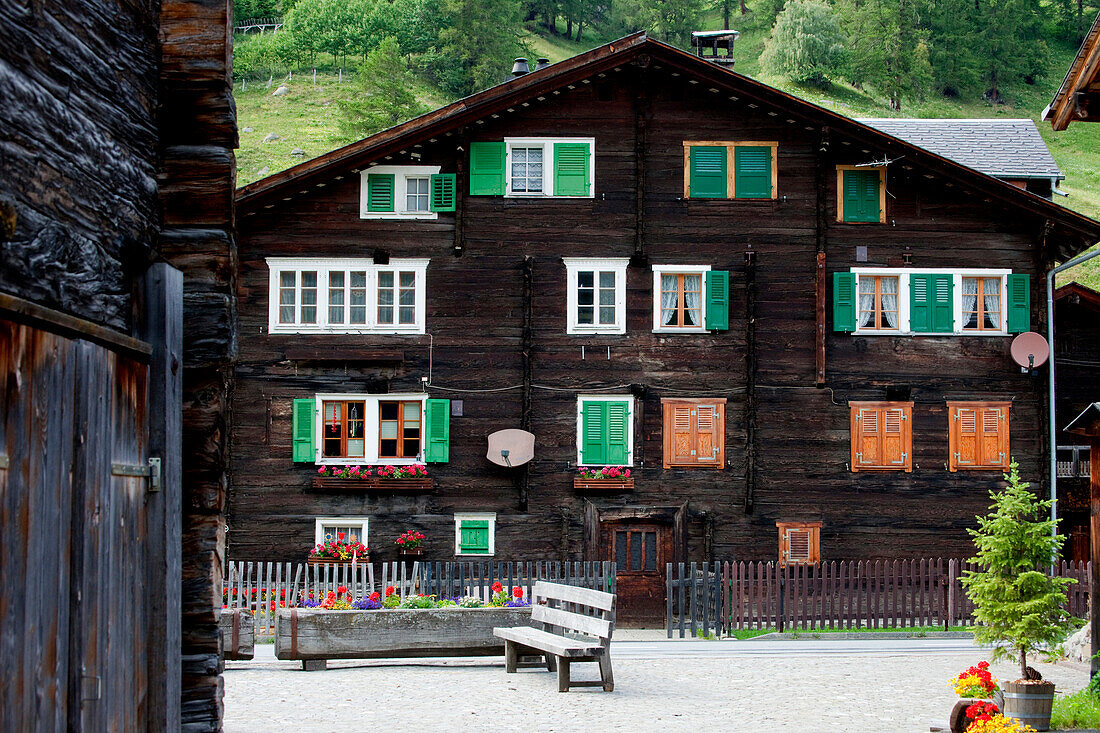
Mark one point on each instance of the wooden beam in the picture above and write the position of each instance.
(1094, 543)
(37, 316)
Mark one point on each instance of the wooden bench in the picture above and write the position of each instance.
(563, 634)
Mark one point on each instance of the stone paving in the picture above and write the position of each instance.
(729, 686)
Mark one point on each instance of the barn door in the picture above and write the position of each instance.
(640, 550)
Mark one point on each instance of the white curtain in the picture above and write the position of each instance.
(693, 299)
(889, 290)
(970, 302)
(866, 301)
(991, 297)
(668, 300)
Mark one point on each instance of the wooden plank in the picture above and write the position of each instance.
(552, 643)
(572, 621)
(19, 310)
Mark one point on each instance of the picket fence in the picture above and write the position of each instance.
(265, 587)
(718, 598)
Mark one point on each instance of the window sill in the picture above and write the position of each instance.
(284, 331)
(399, 216)
(604, 332)
(389, 485)
(709, 465)
(374, 462)
(999, 469)
(881, 469)
(919, 334)
(518, 196)
(605, 484)
(473, 554)
(680, 330)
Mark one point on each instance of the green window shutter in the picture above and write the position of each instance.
(1019, 303)
(487, 169)
(437, 418)
(920, 303)
(442, 188)
(707, 174)
(718, 300)
(618, 433)
(593, 433)
(571, 164)
(861, 196)
(473, 536)
(302, 415)
(844, 301)
(942, 288)
(380, 192)
(752, 172)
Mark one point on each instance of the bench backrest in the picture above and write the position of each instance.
(569, 609)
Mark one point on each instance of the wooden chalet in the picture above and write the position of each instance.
(1078, 99)
(792, 328)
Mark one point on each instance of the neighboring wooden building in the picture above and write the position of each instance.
(1077, 354)
(118, 130)
(792, 328)
(1079, 96)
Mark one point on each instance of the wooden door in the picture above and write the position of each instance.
(640, 550)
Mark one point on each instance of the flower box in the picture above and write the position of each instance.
(362, 560)
(373, 483)
(238, 633)
(603, 484)
(314, 636)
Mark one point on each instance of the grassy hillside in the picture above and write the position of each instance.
(307, 117)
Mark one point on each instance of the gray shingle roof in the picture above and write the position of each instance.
(1000, 148)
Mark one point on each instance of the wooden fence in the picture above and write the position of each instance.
(717, 598)
(265, 587)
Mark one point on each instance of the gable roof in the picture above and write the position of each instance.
(638, 48)
(1086, 296)
(1000, 148)
(1071, 100)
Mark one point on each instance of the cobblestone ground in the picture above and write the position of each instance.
(723, 688)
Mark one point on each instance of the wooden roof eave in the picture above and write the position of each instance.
(1089, 297)
(1081, 74)
(456, 114)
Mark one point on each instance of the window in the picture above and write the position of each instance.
(860, 194)
(605, 430)
(405, 192)
(727, 170)
(357, 295)
(690, 299)
(533, 167)
(878, 302)
(475, 534)
(596, 298)
(799, 543)
(882, 436)
(871, 301)
(978, 436)
(694, 432)
(329, 529)
(365, 429)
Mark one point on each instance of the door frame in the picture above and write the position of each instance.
(676, 516)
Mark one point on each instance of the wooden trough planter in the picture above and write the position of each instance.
(238, 629)
(391, 485)
(315, 636)
(603, 484)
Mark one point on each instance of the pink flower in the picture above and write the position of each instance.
(626, 473)
(321, 470)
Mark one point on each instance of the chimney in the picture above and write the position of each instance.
(542, 64)
(519, 68)
(715, 46)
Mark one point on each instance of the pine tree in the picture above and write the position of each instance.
(386, 100)
(1019, 608)
(887, 47)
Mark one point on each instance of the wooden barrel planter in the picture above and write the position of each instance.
(238, 629)
(603, 484)
(315, 636)
(1029, 702)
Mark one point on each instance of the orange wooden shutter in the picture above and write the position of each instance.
(978, 435)
(882, 436)
(707, 437)
(679, 435)
(799, 542)
(966, 443)
(694, 433)
(866, 438)
(994, 429)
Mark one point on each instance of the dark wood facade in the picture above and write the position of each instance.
(117, 149)
(496, 319)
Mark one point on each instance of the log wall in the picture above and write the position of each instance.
(787, 438)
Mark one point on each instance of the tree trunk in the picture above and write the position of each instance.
(726, 13)
(744, 8)
(1023, 664)
(580, 27)
(569, 27)
(895, 103)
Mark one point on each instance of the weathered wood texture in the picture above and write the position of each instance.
(238, 628)
(475, 315)
(74, 614)
(426, 632)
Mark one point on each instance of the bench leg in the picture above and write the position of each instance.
(551, 663)
(314, 665)
(563, 674)
(605, 673)
(510, 656)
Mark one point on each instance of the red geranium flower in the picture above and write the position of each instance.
(517, 592)
(389, 591)
(497, 587)
(375, 596)
(342, 590)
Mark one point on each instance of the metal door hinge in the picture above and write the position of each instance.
(4, 462)
(150, 471)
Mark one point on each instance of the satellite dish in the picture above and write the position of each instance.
(1030, 350)
(511, 447)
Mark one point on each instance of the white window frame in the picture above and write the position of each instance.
(957, 274)
(460, 517)
(547, 145)
(573, 265)
(370, 428)
(629, 400)
(400, 191)
(658, 271)
(320, 522)
(323, 266)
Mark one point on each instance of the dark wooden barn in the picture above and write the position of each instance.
(117, 132)
(792, 328)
